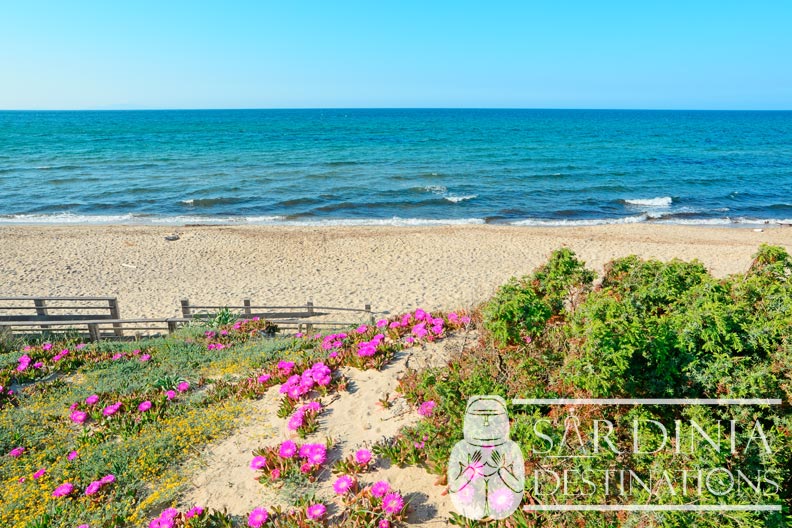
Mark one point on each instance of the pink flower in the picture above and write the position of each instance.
(136, 352)
(79, 417)
(382, 323)
(296, 421)
(145, 357)
(316, 511)
(16, 452)
(170, 394)
(316, 454)
(363, 456)
(362, 329)
(83, 526)
(40, 473)
(501, 500)
(258, 462)
(285, 366)
(144, 406)
(93, 487)
(427, 408)
(117, 356)
(287, 449)
(343, 484)
(257, 517)
(63, 490)
(384, 523)
(275, 474)
(38, 365)
(92, 399)
(72, 455)
(193, 512)
(107, 479)
(264, 378)
(392, 503)
(110, 410)
(183, 386)
(379, 489)
(46, 346)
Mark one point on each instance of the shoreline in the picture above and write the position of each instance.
(392, 268)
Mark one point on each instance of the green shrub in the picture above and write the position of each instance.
(516, 312)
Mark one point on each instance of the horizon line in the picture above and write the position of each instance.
(218, 109)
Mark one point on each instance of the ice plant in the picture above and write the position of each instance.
(92, 399)
(79, 417)
(144, 406)
(40, 473)
(287, 449)
(257, 517)
(362, 456)
(380, 488)
(16, 452)
(343, 484)
(184, 386)
(316, 511)
(427, 408)
(63, 490)
(392, 503)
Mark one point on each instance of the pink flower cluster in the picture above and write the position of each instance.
(308, 410)
(333, 341)
(16, 452)
(257, 517)
(299, 385)
(63, 490)
(369, 348)
(94, 487)
(110, 410)
(426, 408)
(166, 519)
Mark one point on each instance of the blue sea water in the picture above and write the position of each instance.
(412, 167)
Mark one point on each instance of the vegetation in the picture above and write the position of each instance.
(648, 330)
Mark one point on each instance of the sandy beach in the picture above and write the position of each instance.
(391, 268)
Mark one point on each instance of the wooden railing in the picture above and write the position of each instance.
(45, 310)
(96, 326)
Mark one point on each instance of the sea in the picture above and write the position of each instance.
(396, 167)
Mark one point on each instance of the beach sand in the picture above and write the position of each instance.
(392, 268)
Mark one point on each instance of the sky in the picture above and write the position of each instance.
(694, 54)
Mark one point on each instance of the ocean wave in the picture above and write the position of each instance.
(539, 222)
(457, 199)
(663, 201)
(436, 189)
(277, 220)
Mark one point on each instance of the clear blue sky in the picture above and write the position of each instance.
(399, 53)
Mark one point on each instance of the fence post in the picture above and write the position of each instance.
(310, 309)
(41, 310)
(185, 306)
(371, 315)
(115, 314)
(171, 326)
(248, 312)
(93, 331)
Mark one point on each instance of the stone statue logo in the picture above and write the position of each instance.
(486, 471)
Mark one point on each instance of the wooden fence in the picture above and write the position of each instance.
(98, 317)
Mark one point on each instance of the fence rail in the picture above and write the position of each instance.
(97, 324)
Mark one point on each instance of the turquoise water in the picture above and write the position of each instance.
(530, 167)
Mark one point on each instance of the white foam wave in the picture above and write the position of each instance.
(188, 202)
(538, 222)
(456, 199)
(663, 201)
(71, 218)
(436, 189)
